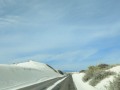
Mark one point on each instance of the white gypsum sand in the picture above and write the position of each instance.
(80, 85)
(104, 84)
(23, 74)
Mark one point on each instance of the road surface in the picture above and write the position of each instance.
(66, 84)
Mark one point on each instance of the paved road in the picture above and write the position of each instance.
(66, 84)
(41, 86)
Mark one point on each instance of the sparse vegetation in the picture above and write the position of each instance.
(103, 66)
(82, 71)
(60, 72)
(97, 73)
(115, 85)
(100, 75)
(89, 73)
(51, 67)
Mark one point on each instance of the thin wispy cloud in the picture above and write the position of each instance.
(61, 33)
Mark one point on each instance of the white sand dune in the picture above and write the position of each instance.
(19, 75)
(22, 74)
(77, 78)
(103, 85)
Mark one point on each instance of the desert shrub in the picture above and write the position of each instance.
(92, 70)
(82, 71)
(51, 67)
(102, 66)
(87, 76)
(100, 75)
(89, 73)
(61, 72)
(115, 85)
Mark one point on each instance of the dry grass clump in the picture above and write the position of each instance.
(82, 71)
(100, 75)
(115, 85)
(97, 73)
(92, 71)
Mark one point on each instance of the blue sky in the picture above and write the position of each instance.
(67, 34)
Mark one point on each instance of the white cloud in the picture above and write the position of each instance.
(9, 20)
(71, 27)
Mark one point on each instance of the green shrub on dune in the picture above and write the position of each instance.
(115, 85)
(89, 73)
(97, 73)
(98, 76)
